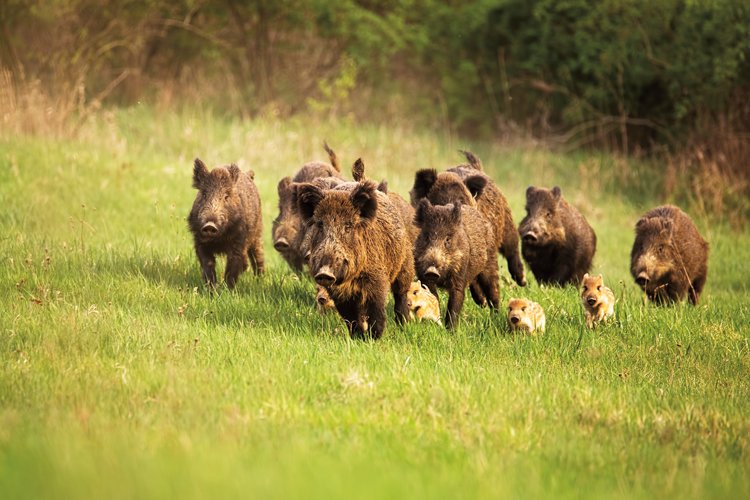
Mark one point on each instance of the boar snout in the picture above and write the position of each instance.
(642, 279)
(325, 276)
(514, 319)
(530, 237)
(281, 244)
(432, 274)
(209, 229)
(591, 301)
(322, 299)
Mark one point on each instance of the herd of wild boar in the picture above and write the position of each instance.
(359, 241)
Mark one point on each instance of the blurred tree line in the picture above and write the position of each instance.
(623, 74)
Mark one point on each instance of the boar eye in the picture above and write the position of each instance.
(523, 308)
(548, 215)
(319, 224)
(227, 195)
(585, 288)
(599, 288)
(348, 226)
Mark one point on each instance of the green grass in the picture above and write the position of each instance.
(121, 378)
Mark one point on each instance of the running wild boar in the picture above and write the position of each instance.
(556, 240)
(669, 260)
(226, 219)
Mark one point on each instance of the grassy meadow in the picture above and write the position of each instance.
(120, 377)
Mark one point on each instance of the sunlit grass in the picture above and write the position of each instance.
(122, 377)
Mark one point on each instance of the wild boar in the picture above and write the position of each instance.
(469, 185)
(556, 240)
(323, 301)
(453, 250)
(526, 315)
(669, 259)
(287, 231)
(359, 249)
(226, 219)
(598, 300)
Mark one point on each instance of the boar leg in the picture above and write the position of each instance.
(349, 311)
(236, 264)
(477, 294)
(561, 275)
(515, 266)
(400, 289)
(455, 303)
(696, 289)
(376, 317)
(208, 265)
(255, 254)
(488, 281)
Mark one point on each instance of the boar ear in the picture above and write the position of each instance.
(251, 173)
(358, 170)
(308, 197)
(473, 159)
(456, 212)
(332, 157)
(556, 192)
(365, 199)
(234, 172)
(668, 227)
(421, 214)
(585, 277)
(284, 185)
(200, 172)
(476, 185)
(529, 191)
(383, 187)
(423, 181)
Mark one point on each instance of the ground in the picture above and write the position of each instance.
(121, 377)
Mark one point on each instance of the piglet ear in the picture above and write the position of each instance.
(456, 212)
(234, 172)
(423, 181)
(556, 192)
(308, 197)
(422, 209)
(476, 184)
(200, 172)
(283, 186)
(358, 170)
(365, 199)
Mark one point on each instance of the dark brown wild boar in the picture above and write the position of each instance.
(669, 259)
(288, 231)
(469, 185)
(452, 251)
(226, 219)
(359, 249)
(556, 240)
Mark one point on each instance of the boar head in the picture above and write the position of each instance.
(542, 223)
(438, 250)
(654, 254)
(338, 222)
(217, 204)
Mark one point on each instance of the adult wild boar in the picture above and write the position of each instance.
(556, 240)
(469, 185)
(669, 259)
(226, 219)
(359, 249)
(452, 251)
(287, 231)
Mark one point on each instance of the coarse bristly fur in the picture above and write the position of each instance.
(525, 315)
(669, 259)
(469, 185)
(452, 251)
(556, 240)
(598, 300)
(288, 231)
(422, 303)
(226, 219)
(359, 249)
